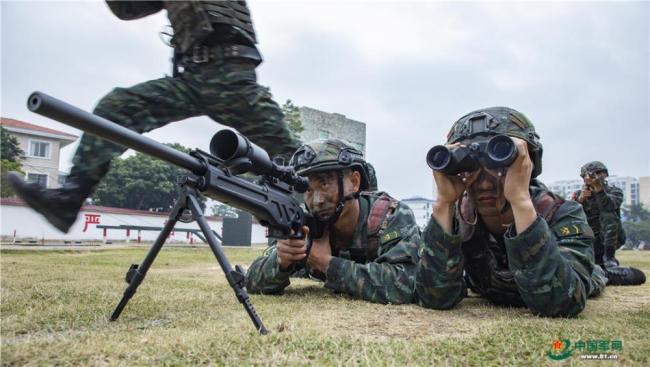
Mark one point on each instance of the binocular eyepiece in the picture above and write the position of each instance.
(240, 155)
(499, 151)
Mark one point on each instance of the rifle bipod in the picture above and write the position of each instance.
(188, 200)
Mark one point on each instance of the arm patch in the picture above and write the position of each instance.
(389, 236)
(573, 229)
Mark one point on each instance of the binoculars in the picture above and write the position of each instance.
(496, 152)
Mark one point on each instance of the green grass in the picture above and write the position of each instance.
(55, 308)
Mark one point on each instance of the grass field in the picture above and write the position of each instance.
(55, 308)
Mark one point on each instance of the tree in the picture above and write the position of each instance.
(141, 182)
(636, 212)
(7, 166)
(9, 148)
(292, 117)
(636, 232)
(10, 156)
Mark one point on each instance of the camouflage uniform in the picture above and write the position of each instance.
(603, 210)
(549, 267)
(215, 44)
(385, 274)
(378, 264)
(604, 218)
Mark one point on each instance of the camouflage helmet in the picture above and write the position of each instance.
(593, 167)
(495, 121)
(372, 178)
(329, 155)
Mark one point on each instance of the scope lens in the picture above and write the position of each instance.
(438, 157)
(224, 144)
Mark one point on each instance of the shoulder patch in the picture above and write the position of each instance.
(573, 229)
(389, 236)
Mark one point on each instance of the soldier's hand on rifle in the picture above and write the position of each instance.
(321, 253)
(291, 250)
(597, 184)
(585, 193)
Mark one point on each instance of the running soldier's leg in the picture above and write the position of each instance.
(141, 108)
(230, 95)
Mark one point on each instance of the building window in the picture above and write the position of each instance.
(323, 134)
(40, 149)
(37, 178)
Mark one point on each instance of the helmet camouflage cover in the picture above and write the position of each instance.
(329, 155)
(496, 121)
(593, 167)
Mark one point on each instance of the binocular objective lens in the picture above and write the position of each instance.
(438, 157)
(501, 148)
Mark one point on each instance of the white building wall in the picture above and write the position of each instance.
(421, 210)
(644, 191)
(48, 166)
(28, 224)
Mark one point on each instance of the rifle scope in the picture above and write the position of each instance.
(241, 155)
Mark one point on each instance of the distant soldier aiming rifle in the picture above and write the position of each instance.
(602, 204)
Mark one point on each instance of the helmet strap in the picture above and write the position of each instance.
(342, 198)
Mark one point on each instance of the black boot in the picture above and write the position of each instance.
(620, 275)
(59, 206)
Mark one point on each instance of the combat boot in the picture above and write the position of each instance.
(609, 260)
(620, 275)
(59, 206)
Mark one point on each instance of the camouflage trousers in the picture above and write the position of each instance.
(610, 237)
(226, 91)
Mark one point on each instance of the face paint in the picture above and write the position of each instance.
(322, 195)
(485, 187)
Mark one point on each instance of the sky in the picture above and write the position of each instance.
(408, 69)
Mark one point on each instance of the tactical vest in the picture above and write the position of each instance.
(592, 211)
(486, 270)
(377, 222)
(193, 21)
(546, 204)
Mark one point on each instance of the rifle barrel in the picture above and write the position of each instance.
(58, 110)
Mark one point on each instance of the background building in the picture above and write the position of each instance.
(421, 209)
(629, 185)
(323, 125)
(644, 191)
(42, 147)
